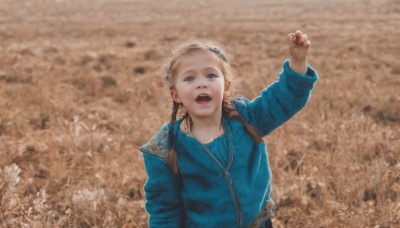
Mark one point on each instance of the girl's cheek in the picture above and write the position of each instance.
(187, 90)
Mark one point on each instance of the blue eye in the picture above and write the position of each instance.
(211, 76)
(189, 78)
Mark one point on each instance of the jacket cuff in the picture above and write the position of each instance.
(300, 83)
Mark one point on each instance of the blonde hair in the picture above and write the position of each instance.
(228, 110)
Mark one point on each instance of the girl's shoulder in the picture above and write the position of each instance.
(158, 145)
(241, 104)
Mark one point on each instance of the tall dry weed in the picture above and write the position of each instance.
(18, 211)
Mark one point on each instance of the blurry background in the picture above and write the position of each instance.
(81, 89)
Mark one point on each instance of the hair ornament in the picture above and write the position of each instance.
(219, 52)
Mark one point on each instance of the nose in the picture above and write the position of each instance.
(202, 84)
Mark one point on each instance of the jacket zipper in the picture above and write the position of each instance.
(228, 178)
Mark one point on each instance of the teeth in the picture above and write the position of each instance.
(203, 97)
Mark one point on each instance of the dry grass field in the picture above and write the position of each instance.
(81, 89)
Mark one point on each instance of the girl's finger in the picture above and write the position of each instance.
(298, 39)
(291, 38)
(307, 44)
(305, 38)
(298, 33)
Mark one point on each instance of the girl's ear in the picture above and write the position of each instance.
(227, 86)
(175, 96)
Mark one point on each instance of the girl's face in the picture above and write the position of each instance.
(199, 85)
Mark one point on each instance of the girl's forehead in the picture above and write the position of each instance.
(197, 60)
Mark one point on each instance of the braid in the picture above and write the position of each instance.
(172, 160)
(231, 112)
(186, 115)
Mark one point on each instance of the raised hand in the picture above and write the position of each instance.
(298, 48)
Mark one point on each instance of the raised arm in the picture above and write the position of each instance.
(285, 97)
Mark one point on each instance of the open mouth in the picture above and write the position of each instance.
(202, 98)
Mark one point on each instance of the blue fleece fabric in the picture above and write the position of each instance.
(200, 196)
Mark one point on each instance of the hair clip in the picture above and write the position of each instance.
(219, 52)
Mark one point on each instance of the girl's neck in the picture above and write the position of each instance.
(206, 129)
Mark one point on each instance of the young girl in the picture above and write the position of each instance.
(210, 167)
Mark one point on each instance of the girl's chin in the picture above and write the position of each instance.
(204, 114)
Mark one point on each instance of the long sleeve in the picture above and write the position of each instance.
(163, 188)
(279, 101)
(163, 194)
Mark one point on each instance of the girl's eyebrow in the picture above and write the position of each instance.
(212, 68)
(186, 72)
(206, 68)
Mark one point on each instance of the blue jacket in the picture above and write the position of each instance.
(227, 182)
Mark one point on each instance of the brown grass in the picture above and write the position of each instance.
(80, 90)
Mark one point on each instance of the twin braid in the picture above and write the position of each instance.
(230, 112)
(172, 161)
